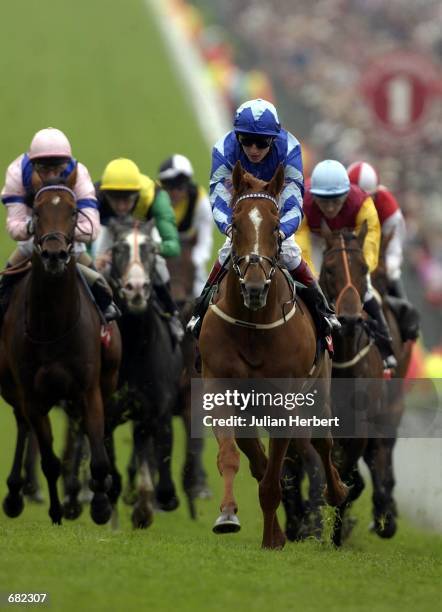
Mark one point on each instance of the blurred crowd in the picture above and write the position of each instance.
(317, 53)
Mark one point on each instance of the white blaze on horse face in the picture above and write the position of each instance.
(55, 201)
(256, 218)
(136, 275)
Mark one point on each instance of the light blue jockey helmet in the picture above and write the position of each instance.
(257, 117)
(329, 179)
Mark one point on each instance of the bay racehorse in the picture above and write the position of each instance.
(51, 350)
(248, 334)
(344, 280)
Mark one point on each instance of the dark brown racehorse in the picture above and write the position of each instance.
(255, 292)
(51, 351)
(344, 280)
(182, 274)
(379, 452)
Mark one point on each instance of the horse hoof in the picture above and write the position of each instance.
(101, 509)
(385, 527)
(142, 518)
(13, 505)
(167, 500)
(227, 522)
(293, 530)
(72, 510)
(338, 497)
(56, 514)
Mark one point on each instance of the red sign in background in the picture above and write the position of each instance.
(400, 88)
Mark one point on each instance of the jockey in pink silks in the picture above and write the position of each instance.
(50, 157)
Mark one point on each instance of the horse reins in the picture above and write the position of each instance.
(348, 285)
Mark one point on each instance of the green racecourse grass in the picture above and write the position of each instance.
(96, 69)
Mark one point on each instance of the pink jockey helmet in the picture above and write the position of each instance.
(50, 142)
(365, 176)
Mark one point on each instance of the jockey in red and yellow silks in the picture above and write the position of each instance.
(330, 198)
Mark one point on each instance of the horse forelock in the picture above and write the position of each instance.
(56, 191)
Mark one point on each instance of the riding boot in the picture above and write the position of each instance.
(202, 302)
(171, 309)
(396, 289)
(101, 292)
(406, 314)
(383, 338)
(314, 297)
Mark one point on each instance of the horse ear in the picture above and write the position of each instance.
(326, 232)
(362, 233)
(72, 179)
(36, 181)
(276, 184)
(237, 176)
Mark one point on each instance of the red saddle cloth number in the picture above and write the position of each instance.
(106, 335)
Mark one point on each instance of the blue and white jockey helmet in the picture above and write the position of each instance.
(329, 179)
(257, 117)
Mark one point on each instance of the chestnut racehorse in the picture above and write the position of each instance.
(251, 333)
(50, 350)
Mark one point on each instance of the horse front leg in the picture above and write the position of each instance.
(379, 459)
(311, 518)
(165, 491)
(351, 450)
(143, 511)
(270, 494)
(336, 491)
(228, 466)
(93, 414)
(71, 462)
(13, 502)
(50, 463)
(31, 488)
(115, 488)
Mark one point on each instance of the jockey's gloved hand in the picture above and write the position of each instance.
(30, 227)
(229, 231)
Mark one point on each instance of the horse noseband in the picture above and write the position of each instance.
(253, 259)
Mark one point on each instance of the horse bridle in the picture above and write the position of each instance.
(341, 365)
(254, 258)
(59, 236)
(348, 281)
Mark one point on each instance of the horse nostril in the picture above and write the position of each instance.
(45, 254)
(63, 255)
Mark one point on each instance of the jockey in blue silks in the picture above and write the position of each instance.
(261, 145)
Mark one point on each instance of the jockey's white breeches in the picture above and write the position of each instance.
(199, 279)
(290, 255)
(161, 276)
